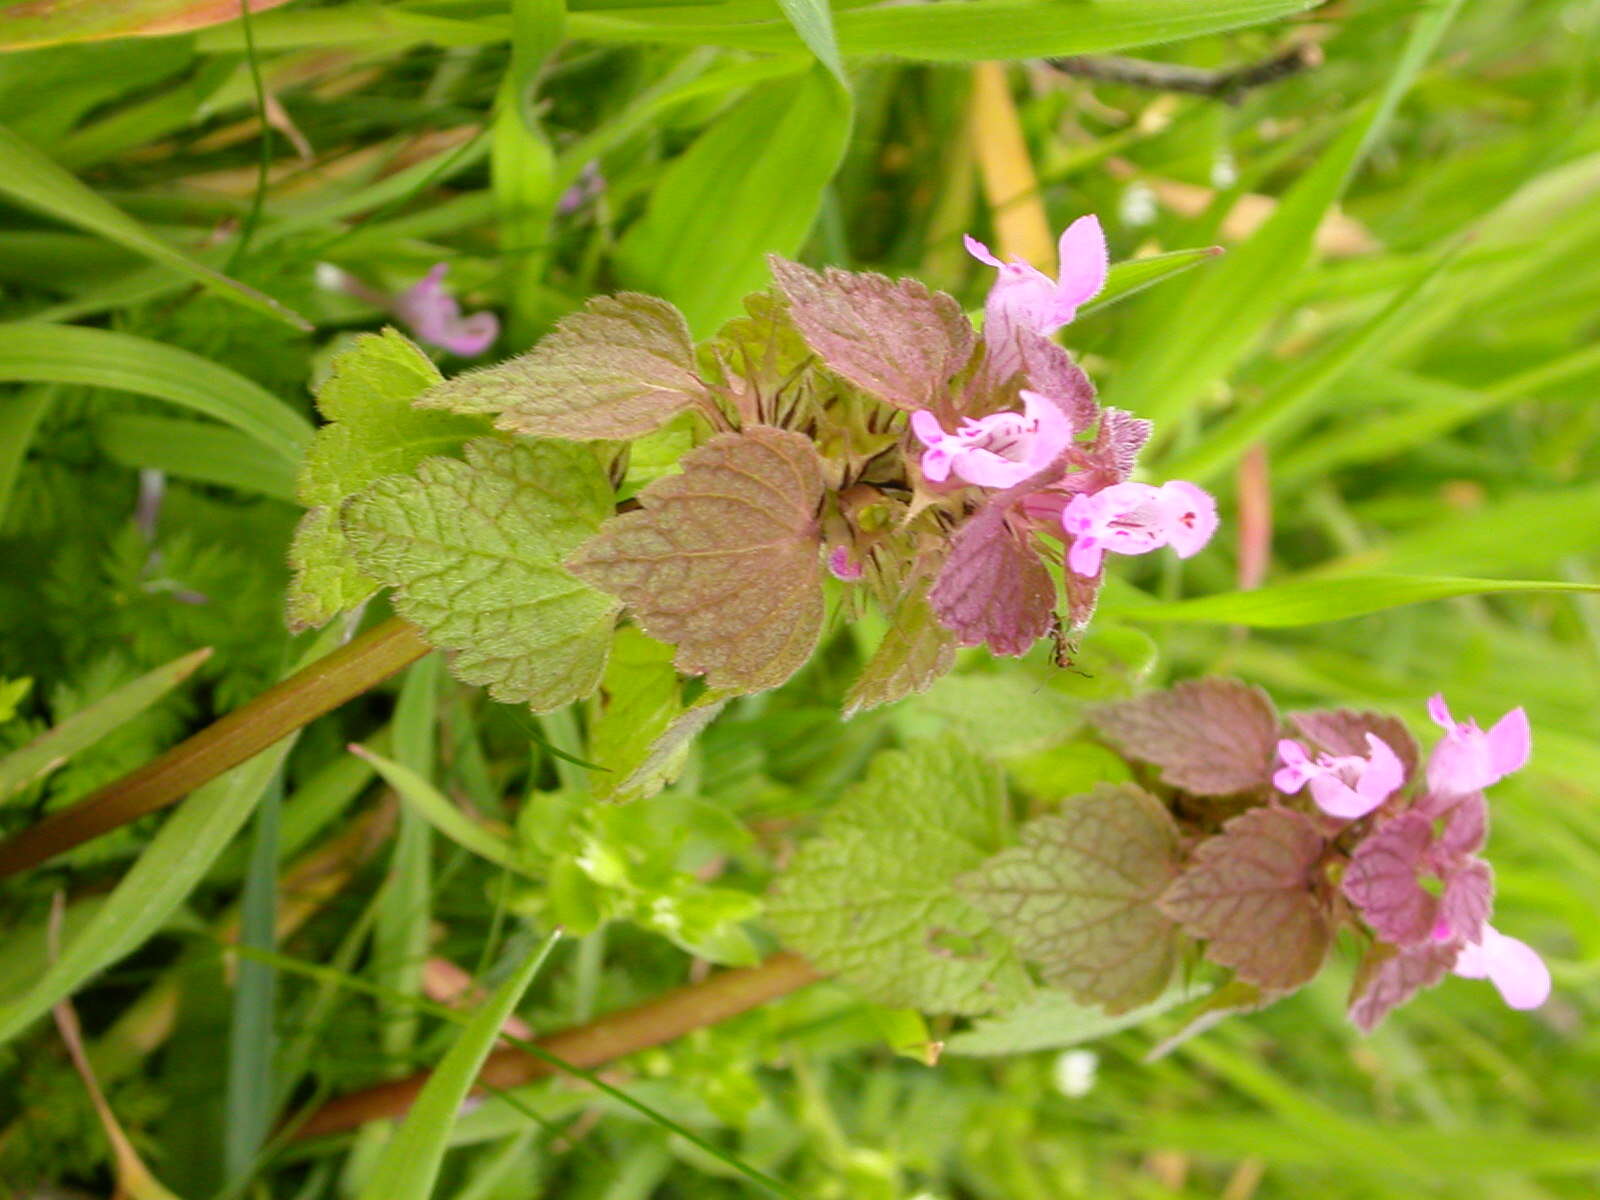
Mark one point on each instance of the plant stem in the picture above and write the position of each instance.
(1228, 84)
(243, 733)
(724, 995)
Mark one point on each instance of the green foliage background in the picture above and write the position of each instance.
(1423, 385)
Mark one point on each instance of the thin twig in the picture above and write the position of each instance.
(1228, 83)
(724, 995)
(279, 711)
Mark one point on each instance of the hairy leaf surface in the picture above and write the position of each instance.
(993, 588)
(722, 561)
(1212, 737)
(914, 653)
(871, 898)
(1384, 881)
(373, 431)
(1078, 896)
(474, 550)
(1250, 891)
(621, 368)
(894, 339)
(1388, 977)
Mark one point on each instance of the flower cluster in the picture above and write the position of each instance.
(1049, 480)
(1285, 839)
(1434, 837)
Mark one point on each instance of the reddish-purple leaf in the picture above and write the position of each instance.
(1466, 826)
(1212, 736)
(1384, 880)
(1342, 732)
(1252, 892)
(1049, 370)
(1078, 896)
(894, 339)
(620, 368)
(1467, 900)
(1118, 441)
(25, 23)
(993, 587)
(723, 560)
(1388, 977)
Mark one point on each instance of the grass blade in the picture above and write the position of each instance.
(38, 182)
(32, 353)
(1312, 601)
(422, 798)
(83, 729)
(410, 1163)
(195, 450)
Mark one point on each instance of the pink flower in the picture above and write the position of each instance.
(1467, 759)
(1135, 518)
(1026, 296)
(435, 316)
(997, 451)
(1346, 786)
(1513, 966)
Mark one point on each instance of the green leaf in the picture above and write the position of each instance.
(642, 702)
(1078, 896)
(423, 798)
(1053, 1021)
(1131, 276)
(24, 23)
(87, 726)
(34, 180)
(373, 431)
(621, 368)
(103, 358)
(197, 450)
(1250, 892)
(1224, 312)
(474, 551)
(871, 898)
(813, 21)
(409, 1167)
(1211, 736)
(723, 560)
(961, 31)
(1006, 713)
(751, 185)
(1314, 601)
(915, 652)
(19, 421)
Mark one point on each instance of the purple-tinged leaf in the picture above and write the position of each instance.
(1212, 736)
(1078, 896)
(914, 653)
(1083, 594)
(1384, 880)
(29, 23)
(1466, 826)
(620, 368)
(1118, 441)
(1388, 977)
(894, 339)
(1251, 892)
(1342, 732)
(723, 560)
(1467, 900)
(1049, 370)
(993, 587)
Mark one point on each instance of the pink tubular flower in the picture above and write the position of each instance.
(997, 451)
(1467, 759)
(1135, 518)
(1513, 966)
(1344, 786)
(842, 566)
(1026, 296)
(435, 315)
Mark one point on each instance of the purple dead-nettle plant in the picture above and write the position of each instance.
(1290, 839)
(860, 427)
